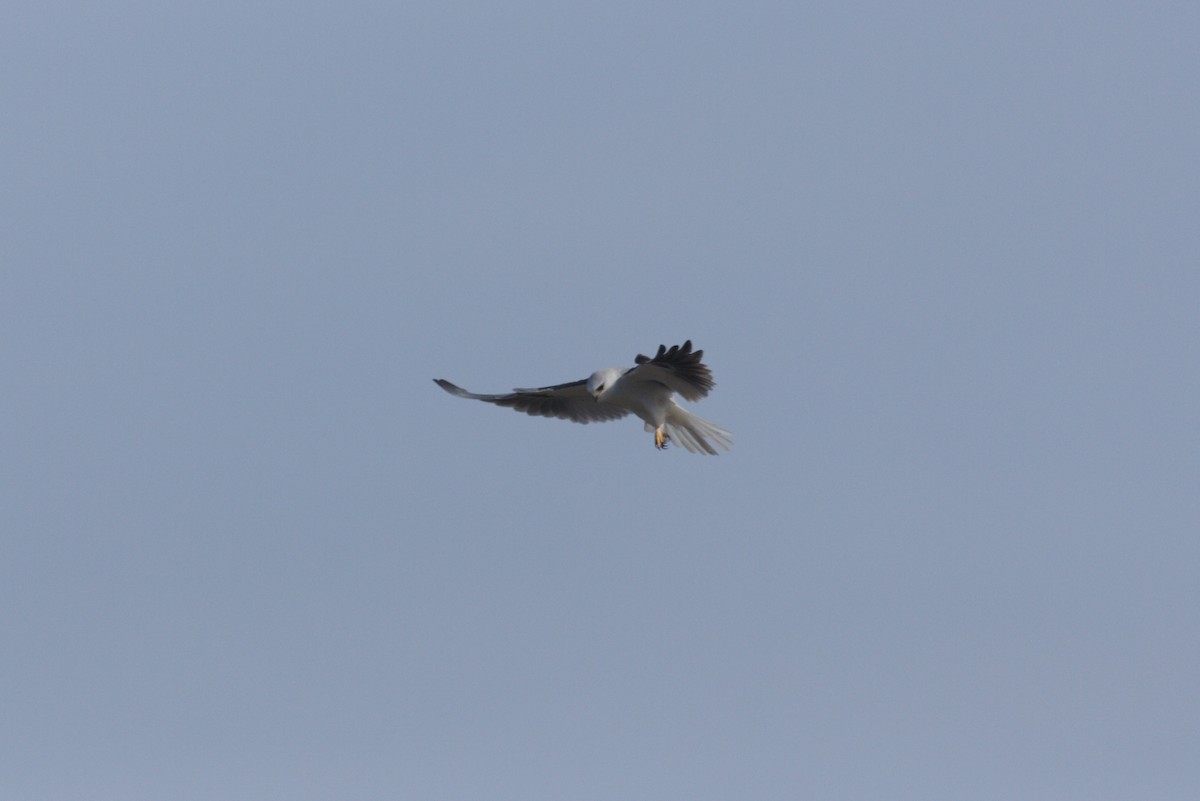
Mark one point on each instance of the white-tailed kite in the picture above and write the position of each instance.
(645, 390)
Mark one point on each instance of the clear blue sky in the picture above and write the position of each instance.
(944, 260)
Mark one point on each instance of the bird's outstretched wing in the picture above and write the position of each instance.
(679, 369)
(567, 401)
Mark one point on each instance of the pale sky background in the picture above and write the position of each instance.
(943, 258)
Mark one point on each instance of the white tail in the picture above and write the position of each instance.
(694, 432)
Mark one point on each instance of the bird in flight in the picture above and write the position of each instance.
(647, 389)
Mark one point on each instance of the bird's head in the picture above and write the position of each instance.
(602, 381)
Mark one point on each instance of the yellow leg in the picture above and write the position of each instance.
(660, 438)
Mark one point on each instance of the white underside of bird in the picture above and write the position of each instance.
(655, 404)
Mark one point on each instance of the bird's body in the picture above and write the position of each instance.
(646, 390)
(648, 400)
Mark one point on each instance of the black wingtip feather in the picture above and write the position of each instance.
(685, 363)
(451, 388)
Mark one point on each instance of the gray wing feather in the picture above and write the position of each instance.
(566, 401)
(678, 368)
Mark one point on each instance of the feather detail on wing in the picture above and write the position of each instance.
(678, 368)
(566, 401)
